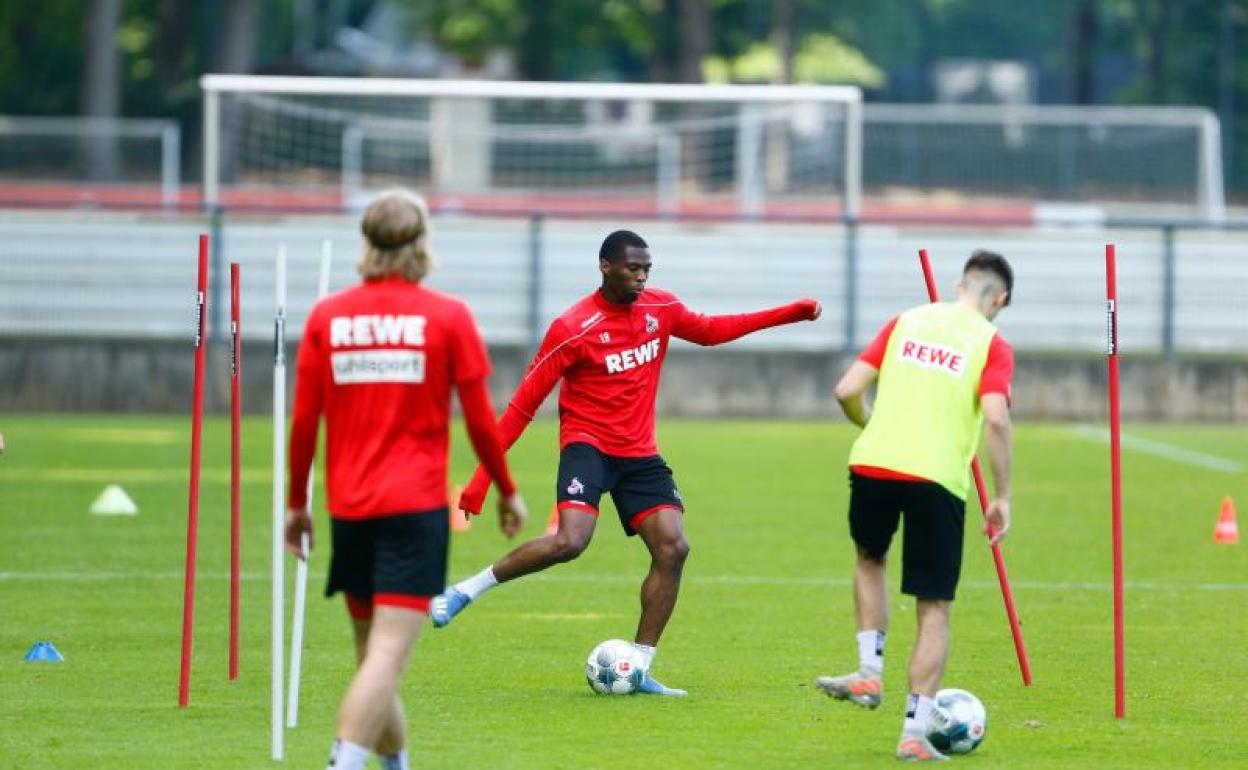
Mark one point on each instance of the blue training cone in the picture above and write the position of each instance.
(44, 651)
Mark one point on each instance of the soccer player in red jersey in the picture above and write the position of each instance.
(608, 349)
(379, 361)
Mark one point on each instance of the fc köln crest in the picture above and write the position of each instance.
(652, 324)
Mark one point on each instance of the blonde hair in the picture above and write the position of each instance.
(396, 234)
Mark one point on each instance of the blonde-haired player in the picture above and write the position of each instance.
(379, 361)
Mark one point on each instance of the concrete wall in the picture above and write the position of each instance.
(40, 374)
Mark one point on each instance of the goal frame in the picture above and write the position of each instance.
(214, 85)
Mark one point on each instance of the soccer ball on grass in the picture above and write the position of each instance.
(958, 722)
(615, 667)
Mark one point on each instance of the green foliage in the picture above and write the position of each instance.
(825, 58)
(471, 29)
(1144, 51)
(765, 607)
(819, 59)
(40, 56)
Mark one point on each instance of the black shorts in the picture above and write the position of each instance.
(931, 558)
(639, 486)
(397, 560)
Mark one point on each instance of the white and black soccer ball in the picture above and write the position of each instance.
(615, 667)
(958, 722)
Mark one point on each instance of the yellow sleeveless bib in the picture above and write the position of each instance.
(926, 419)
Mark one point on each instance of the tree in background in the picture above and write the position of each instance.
(1082, 51)
(101, 89)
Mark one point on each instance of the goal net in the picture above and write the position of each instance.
(512, 147)
(1148, 160)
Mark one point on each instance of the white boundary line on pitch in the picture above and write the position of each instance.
(1161, 449)
(760, 580)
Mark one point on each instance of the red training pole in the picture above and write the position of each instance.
(1016, 630)
(1115, 470)
(192, 516)
(236, 455)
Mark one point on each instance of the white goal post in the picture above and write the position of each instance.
(43, 149)
(1059, 153)
(666, 148)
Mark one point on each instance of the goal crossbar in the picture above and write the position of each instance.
(510, 89)
(847, 98)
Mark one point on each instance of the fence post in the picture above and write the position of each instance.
(1168, 293)
(170, 166)
(535, 281)
(212, 148)
(220, 276)
(851, 283)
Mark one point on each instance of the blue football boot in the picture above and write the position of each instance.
(445, 606)
(651, 686)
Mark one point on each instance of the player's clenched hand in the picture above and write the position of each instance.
(997, 517)
(470, 501)
(298, 524)
(511, 514)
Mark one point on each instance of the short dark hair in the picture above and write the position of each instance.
(992, 262)
(616, 243)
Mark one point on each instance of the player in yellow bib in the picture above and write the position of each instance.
(943, 376)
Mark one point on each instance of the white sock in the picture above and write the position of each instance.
(871, 649)
(478, 583)
(918, 712)
(346, 755)
(647, 653)
(394, 761)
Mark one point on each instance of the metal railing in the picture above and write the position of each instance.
(1184, 284)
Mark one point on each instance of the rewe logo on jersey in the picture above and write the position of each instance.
(932, 356)
(392, 360)
(362, 330)
(632, 358)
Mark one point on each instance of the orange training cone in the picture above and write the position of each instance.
(459, 522)
(1227, 530)
(552, 525)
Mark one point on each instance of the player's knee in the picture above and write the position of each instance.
(568, 546)
(673, 553)
(385, 661)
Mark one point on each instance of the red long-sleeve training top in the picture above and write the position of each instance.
(610, 357)
(379, 360)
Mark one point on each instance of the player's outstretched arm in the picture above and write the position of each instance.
(540, 378)
(718, 329)
(998, 440)
(486, 442)
(851, 392)
(483, 432)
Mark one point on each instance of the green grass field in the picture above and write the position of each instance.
(765, 608)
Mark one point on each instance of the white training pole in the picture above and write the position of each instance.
(327, 258)
(279, 501)
(301, 569)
